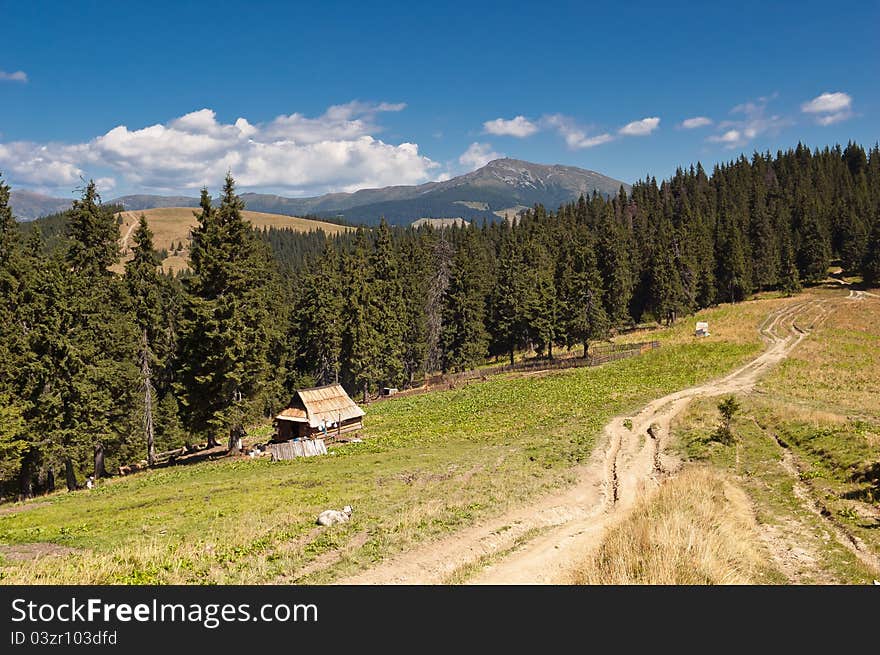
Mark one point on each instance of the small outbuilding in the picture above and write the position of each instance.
(318, 413)
(702, 329)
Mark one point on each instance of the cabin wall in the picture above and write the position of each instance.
(283, 432)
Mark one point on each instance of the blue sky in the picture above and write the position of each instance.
(304, 98)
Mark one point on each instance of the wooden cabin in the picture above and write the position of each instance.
(318, 413)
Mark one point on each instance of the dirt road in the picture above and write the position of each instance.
(541, 542)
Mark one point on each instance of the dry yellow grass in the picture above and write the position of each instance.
(728, 323)
(697, 529)
(838, 369)
(171, 225)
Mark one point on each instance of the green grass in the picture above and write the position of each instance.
(429, 464)
(771, 488)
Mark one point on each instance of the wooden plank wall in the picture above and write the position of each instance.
(301, 448)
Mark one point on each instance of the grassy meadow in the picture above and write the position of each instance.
(807, 449)
(172, 225)
(428, 465)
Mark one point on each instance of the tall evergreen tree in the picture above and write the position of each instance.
(871, 263)
(144, 285)
(389, 305)
(464, 337)
(580, 292)
(814, 253)
(320, 317)
(227, 327)
(93, 233)
(507, 309)
(615, 267)
(361, 341)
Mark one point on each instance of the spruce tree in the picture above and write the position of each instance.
(389, 305)
(14, 439)
(615, 267)
(581, 293)
(814, 253)
(871, 263)
(319, 316)
(93, 233)
(666, 288)
(442, 256)
(464, 337)
(763, 246)
(228, 327)
(537, 295)
(732, 271)
(144, 285)
(789, 277)
(414, 255)
(361, 341)
(507, 309)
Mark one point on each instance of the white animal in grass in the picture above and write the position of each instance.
(334, 516)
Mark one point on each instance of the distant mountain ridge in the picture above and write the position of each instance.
(482, 194)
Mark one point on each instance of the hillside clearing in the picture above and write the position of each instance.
(430, 466)
(171, 226)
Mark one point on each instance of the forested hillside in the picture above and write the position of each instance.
(98, 369)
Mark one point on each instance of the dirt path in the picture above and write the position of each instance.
(131, 227)
(571, 523)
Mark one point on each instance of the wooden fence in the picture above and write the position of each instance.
(298, 448)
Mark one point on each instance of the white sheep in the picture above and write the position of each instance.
(334, 516)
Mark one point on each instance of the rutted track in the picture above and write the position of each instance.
(573, 521)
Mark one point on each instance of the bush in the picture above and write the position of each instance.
(728, 408)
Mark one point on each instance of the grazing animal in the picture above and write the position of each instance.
(334, 516)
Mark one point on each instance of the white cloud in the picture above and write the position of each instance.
(292, 154)
(827, 103)
(830, 119)
(695, 122)
(478, 155)
(17, 76)
(754, 123)
(829, 108)
(640, 128)
(734, 137)
(575, 136)
(44, 165)
(106, 184)
(518, 126)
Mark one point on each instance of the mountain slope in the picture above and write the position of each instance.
(499, 185)
(27, 205)
(482, 194)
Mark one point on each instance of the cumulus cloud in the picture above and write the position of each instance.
(17, 76)
(755, 121)
(695, 122)
(518, 126)
(640, 128)
(477, 155)
(829, 108)
(576, 137)
(293, 154)
(827, 103)
(729, 137)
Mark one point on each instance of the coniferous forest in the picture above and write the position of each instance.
(99, 369)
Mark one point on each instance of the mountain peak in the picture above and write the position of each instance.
(500, 187)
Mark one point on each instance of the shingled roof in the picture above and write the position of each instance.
(329, 403)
